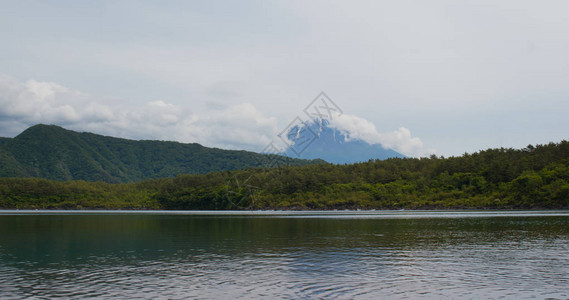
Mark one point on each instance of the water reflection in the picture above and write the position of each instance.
(180, 256)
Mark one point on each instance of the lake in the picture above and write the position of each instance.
(298, 255)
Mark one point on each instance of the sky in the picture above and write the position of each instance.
(421, 77)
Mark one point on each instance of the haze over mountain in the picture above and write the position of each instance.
(320, 139)
(52, 152)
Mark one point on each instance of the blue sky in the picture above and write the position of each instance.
(428, 76)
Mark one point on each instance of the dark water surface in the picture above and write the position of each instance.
(345, 255)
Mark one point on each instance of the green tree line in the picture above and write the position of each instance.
(533, 177)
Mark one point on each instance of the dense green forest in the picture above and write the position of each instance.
(52, 152)
(534, 177)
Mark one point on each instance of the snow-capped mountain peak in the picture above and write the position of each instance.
(321, 139)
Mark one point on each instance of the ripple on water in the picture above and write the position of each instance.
(298, 259)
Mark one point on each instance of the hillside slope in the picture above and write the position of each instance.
(52, 152)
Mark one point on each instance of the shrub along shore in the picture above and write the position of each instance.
(529, 178)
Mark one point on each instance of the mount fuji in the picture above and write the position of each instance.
(318, 139)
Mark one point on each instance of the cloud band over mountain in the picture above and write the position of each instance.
(399, 140)
(236, 126)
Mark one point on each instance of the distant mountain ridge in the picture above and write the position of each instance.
(52, 152)
(317, 139)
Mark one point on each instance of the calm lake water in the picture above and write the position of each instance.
(306, 255)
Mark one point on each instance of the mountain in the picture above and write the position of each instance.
(52, 152)
(318, 139)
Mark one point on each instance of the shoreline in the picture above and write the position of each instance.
(442, 212)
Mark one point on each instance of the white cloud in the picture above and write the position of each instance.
(34, 101)
(239, 126)
(399, 140)
(402, 141)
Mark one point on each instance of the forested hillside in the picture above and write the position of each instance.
(52, 152)
(534, 177)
